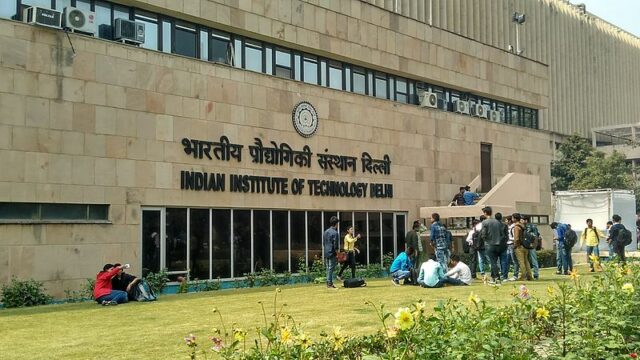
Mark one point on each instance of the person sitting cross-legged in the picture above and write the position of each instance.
(103, 292)
(432, 276)
(460, 272)
(401, 267)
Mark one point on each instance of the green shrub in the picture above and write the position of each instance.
(546, 258)
(19, 293)
(85, 292)
(199, 286)
(157, 281)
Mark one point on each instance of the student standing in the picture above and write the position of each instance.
(591, 237)
(350, 248)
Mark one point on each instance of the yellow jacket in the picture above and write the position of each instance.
(591, 236)
(349, 242)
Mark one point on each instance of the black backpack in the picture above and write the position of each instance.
(570, 239)
(354, 283)
(477, 243)
(529, 238)
(624, 236)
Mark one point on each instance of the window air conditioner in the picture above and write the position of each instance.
(129, 31)
(479, 110)
(428, 99)
(42, 16)
(494, 115)
(461, 107)
(80, 20)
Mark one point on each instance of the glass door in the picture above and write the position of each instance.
(151, 235)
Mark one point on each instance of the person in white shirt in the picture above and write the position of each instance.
(511, 252)
(460, 272)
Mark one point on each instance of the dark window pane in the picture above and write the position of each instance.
(221, 243)
(400, 232)
(253, 56)
(63, 212)
(120, 12)
(381, 86)
(83, 5)
(98, 212)
(360, 227)
(298, 240)
(8, 9)
(60, 4)
(185, 43)
(220, 47)
(103, 19)
(387, 234)
(335, 75)
(261, 240)
(199, 244)
(18, 211)
(280, 241)
(310, 70)
(166, 36)
(150, 241)
(38, 3)
(314, 235)
(359, 82)
(176, 237)
(374, 239)
(346, 220)
(283, 63)
(327, 218)
(241, 242)
(150, 29)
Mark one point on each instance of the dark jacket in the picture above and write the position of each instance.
(493, 233)
(330, 240)
(411, 240)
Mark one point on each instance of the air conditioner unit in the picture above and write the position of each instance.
(79, 20)
(129, 31)
(494, 115)
(479, 110)
(42, 16)
(461, 107)
(429, 99)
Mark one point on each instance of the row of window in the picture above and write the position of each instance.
(227, 243)
(26, 212)
(171, 35)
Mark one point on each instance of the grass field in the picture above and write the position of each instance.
(156, 330)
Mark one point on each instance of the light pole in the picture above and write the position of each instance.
(518, 19)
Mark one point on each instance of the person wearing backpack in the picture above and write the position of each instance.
(478, 255)
(534, 238)
(591, 236)
(495, 242)
(522, 252)
(619, 237)
(559, 232)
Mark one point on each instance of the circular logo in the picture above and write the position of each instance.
(305, 119)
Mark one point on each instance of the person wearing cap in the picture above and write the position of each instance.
(124, 282)
(494, 236)
(103, 292)
(330, 241)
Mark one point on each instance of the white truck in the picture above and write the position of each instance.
(576, 206)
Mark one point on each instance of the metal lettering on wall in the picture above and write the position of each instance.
(282, 154)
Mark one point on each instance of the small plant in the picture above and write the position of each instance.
(85, 293)
(387, 259)
(199, 286)
(157, 281)
(19, 293)
(184, 285)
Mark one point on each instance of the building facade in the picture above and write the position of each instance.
(225, 141)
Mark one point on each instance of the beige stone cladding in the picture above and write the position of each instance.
(105, 127)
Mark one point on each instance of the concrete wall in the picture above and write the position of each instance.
(105, 127)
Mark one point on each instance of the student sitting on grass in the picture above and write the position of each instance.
(460, 271)
(103, 292)
(432, 275)
(401, 267)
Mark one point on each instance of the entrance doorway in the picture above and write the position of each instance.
(485, 167)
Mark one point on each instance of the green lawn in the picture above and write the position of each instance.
(156, 330)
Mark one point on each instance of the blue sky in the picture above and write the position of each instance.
(622, 13)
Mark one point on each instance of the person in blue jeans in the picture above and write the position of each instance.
(432, 275)
(330, 241)
(558, 233)
(401, 267)
(533, 255)
(440, 240)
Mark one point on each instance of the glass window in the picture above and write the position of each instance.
(515, 115)
(237, 52)
(204, 45)
(241, 242)
(374, 238)
(261, 240)
(359, 81)
(360, 227)
(347, 78)
(103, 19)
(221, 243)
(369, 83)
(220, 47)
(335, 75)
(83, 5)
(186, 42)
(400, 233)
(283, 63)
(60, 4)
(401, 91)
(323, 72)
(392, 88)
(280, 254)
(387, 234)
(176, 239)
(346, 220)
(8, 9)
(19, 211)
(527, 120)
(63, 211)
(121, 12)
(268, 58)
(166, 36)
(298, 241)
(98, 212)
(296, 67)
(253, 56)
(314, 236)
(327, 218)
(310, 69)
(381, 86)
(38, 3)
(150, 241)
(150, 29)
(199, 244)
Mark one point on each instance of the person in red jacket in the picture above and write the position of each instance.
(102, 291)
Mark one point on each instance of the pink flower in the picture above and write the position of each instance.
(633, 355)
(217, 344)
(524, 292)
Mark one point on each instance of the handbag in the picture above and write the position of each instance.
(342, 256)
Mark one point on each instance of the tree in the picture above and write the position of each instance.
(573, 154)
(602, 172)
